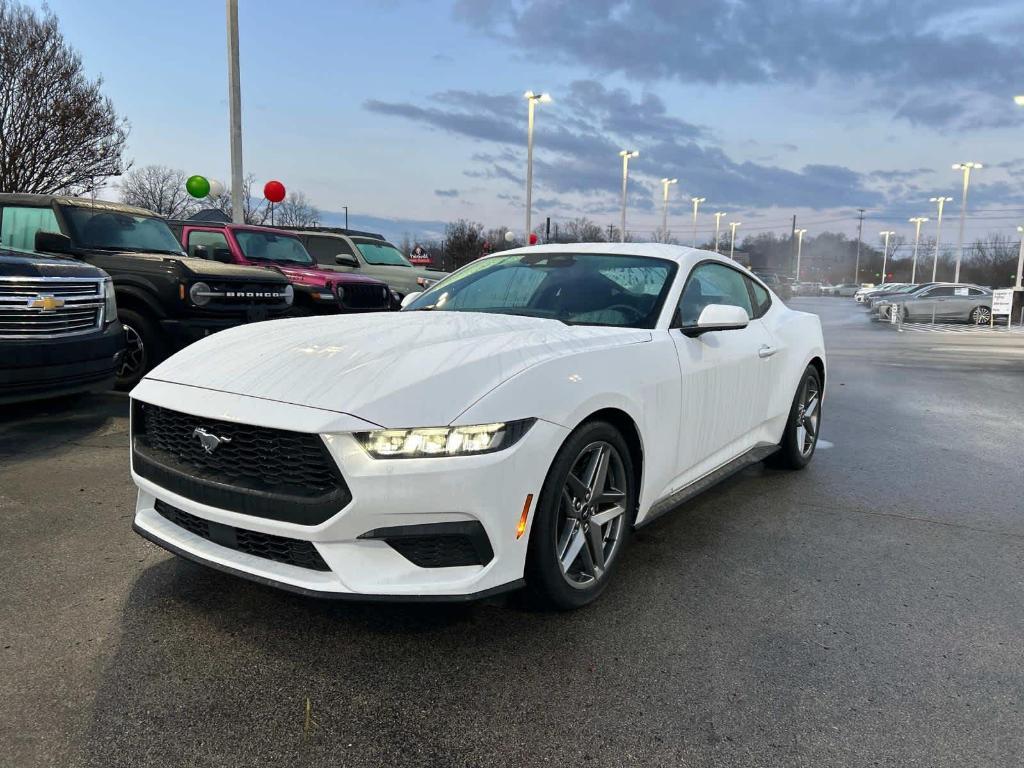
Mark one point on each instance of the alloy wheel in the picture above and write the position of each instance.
(981, 315)
(591, 514)
(134, 358)
(808, 416)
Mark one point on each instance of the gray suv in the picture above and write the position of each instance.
(944, 301)
(368, 254)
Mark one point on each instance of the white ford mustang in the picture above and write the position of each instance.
(511, 425)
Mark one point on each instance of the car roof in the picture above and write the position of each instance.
(27, 198)
(683, 255)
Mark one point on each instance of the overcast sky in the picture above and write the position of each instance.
(413, 111)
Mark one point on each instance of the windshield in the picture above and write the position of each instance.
(381, 253)
(113, 230)
(270, 246)
(576, 288)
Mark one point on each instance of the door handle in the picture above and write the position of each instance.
(766, 351)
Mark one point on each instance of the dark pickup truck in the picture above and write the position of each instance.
(59, 332)
(165, 300)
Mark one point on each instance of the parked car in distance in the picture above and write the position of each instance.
(864, 289)
(876, 299)
(845, 289)
(318, 290)
(779, 286)
(962, 302)
(825, 289)
(59, 332)
(551, 381)
(165, 300)
(369, 254)
(806, 289)
(865, 296)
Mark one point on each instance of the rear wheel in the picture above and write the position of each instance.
(143, 348)
(801, 435)
(981, 315)
(584, 518)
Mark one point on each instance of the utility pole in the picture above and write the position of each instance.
(611, 231)
(235, 108)
(792, 240)
(547, 230)
(860, 235)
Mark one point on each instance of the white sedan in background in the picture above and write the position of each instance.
(510, 426)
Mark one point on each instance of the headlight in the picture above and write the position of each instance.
(442, 441)
(289, 294)
(200, 294)
(109, 302)
(341, 293)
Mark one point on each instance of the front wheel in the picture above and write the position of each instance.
(803, 425)
(584, 518)
(143, 348)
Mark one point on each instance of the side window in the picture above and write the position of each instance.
(324, 250)
(713, 283)
(977, 292)
(213, 241)
(942, 290)
(18, 226)
(762, 301)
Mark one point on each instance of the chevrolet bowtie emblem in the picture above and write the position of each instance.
(208, 440)
(46, 303)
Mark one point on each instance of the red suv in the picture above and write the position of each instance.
(317, 290)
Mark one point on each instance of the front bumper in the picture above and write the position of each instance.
(486, 491)
(181, 332)
(36, 368)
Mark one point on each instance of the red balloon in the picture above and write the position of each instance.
(274, 191)
(533, 238)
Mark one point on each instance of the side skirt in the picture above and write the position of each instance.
(715, 476)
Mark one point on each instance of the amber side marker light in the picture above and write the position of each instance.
(521, 528)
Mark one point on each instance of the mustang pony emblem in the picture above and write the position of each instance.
(208, 440)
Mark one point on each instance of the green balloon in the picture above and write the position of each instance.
(197, 186)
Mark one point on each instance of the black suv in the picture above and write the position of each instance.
(59, 332)
(165, 299)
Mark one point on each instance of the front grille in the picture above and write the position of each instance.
(301, 554)
(257, 471)
(357, 296)
(81, 307)
(235, 295)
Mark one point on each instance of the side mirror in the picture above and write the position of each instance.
(222, 255)
(718, 317)
(409, 298)
(200, 252)
(52, 242)
(346, 261)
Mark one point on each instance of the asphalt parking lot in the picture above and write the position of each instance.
(868, 611)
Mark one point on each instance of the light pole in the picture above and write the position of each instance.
(966, 168)
(625, 154)
(799, 250)
(532, 100)
(885, 250)
(718, 226)
(732, 242)
(235, 114)
(1020, 255)
(938, 230)
(917, 221)
(696, 204)
(665, 183)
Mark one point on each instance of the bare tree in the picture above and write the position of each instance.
(464, 241)
(582, 230)
(58, 133)
(296, 211)
(255, 210)
(160, 189)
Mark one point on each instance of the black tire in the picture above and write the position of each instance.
(792, 453)
(145, 348)
(547, 584)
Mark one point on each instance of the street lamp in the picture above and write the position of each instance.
(966, 168)
(917, 221)
(696, 204)
(1019, 100)
(732, 242)
(625, 154)
(532, 100)
(718, 225)
(799, 250)
(938, 230)
(1020, 256)
(885, 250)
(664, 211)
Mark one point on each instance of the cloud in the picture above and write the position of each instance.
(446, 192)
(794, 42)
(579, 137)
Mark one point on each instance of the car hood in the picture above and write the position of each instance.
(398, 369)
(318, 276)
